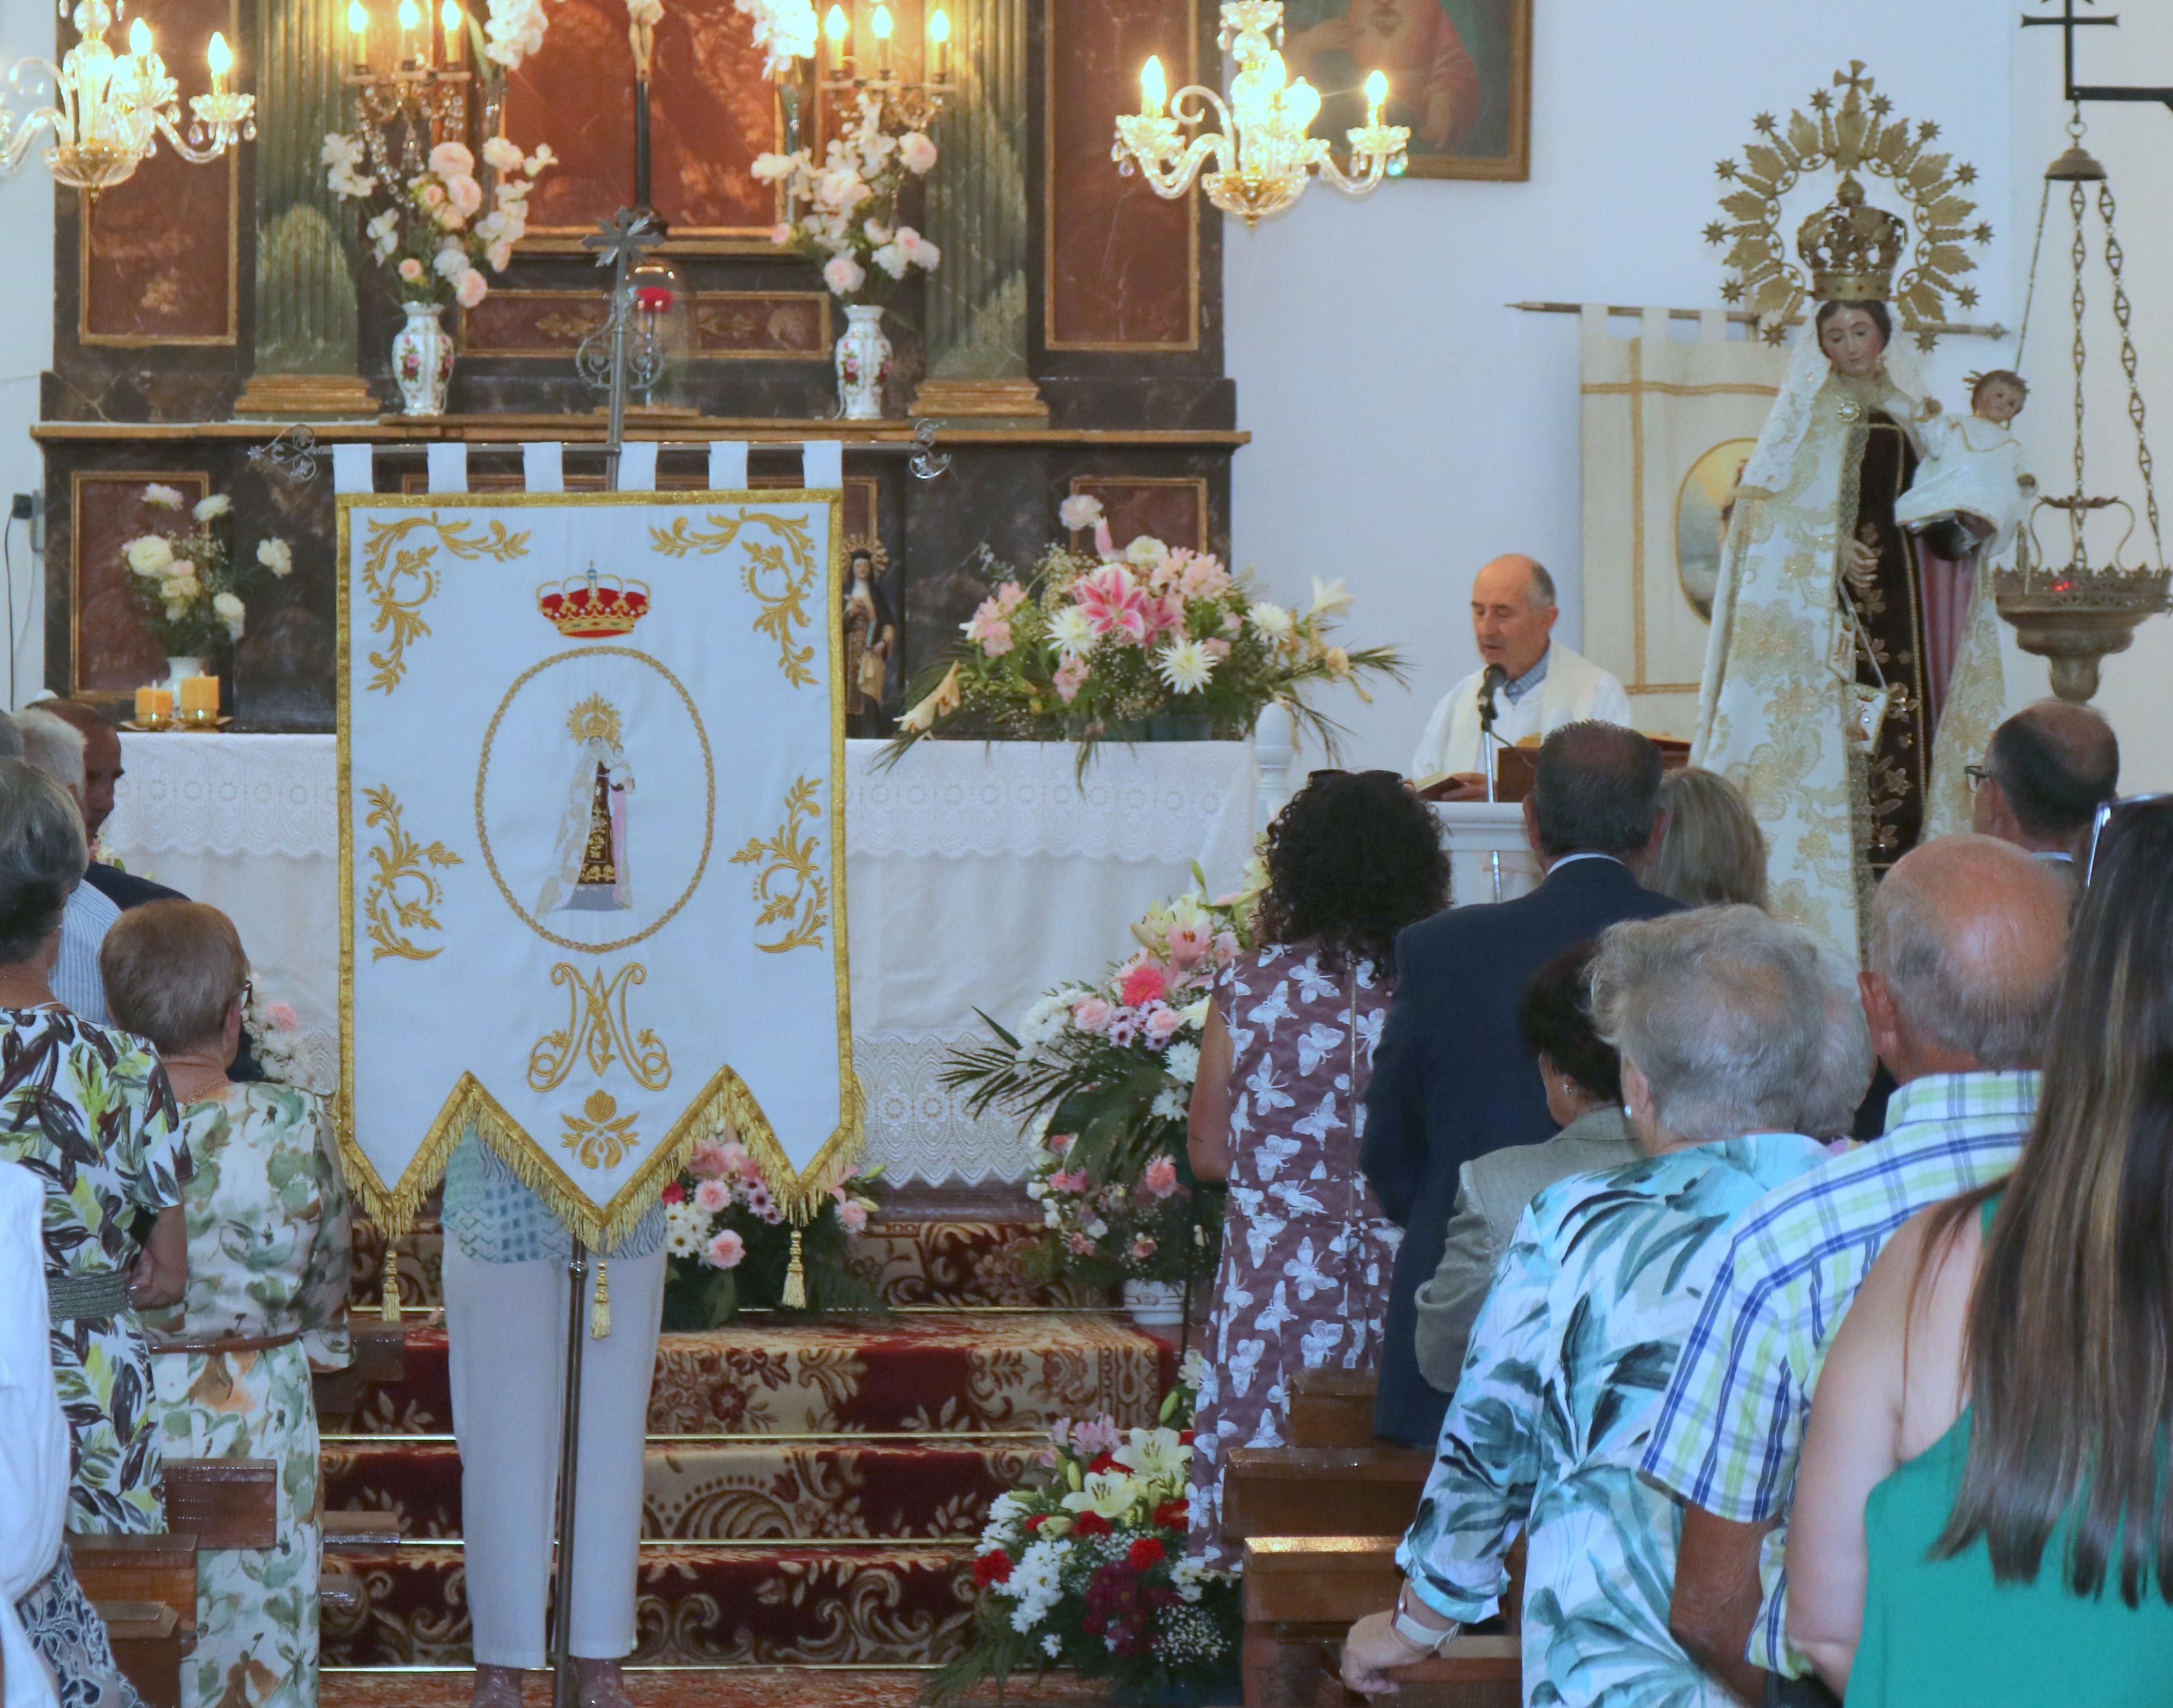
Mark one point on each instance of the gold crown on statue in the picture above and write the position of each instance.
(1851, 248)
(590, 608)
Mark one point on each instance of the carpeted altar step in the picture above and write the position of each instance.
(734, 1687)
(697, 1604)
(938, 1372)
(726, 1491)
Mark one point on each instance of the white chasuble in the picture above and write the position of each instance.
(591, 843)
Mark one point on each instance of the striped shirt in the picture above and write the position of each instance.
(1730, 1429)
(76, 979)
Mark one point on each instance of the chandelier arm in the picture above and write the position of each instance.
(1365, 183)
(1201, 97)
(195, 157)
(1170, 182)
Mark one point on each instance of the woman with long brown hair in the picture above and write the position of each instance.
(1982, 1514)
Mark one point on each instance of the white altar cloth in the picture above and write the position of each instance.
(977, 876)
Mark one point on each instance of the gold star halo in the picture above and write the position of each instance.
(1858, 135)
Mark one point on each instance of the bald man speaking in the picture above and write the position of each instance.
(1541, 684)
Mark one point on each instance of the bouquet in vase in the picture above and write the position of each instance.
(185, 580)
(729, 1246)
(431, 230)
(1089, 1571)
(1109, 644)
(1104, 1072)
(843, 212)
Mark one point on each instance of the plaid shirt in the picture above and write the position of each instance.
(1731, 1429)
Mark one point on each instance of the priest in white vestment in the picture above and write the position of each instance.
(1544, 685)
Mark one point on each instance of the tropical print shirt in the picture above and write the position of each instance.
(87, 1111)
(1571, 1353)
(1730, 1432)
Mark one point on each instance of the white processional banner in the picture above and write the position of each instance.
(1668, 425)
(591, 843)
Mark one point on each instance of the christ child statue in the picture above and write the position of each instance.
(1971, 492)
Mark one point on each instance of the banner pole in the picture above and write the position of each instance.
(565, 1687)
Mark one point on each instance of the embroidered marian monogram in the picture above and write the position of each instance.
(599, 1030)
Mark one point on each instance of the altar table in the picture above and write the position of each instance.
(977, 876)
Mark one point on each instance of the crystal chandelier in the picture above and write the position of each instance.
(411, 82)
(1262, 156)
(109, 109)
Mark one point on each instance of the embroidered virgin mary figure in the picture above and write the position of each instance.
(1851, 674)
(590, 871)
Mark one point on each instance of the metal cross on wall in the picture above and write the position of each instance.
(2068, 23)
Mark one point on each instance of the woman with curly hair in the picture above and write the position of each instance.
(1277, 1111)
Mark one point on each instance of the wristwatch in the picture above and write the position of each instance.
(1422, 1637)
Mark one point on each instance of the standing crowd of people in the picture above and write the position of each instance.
(1810, 1327)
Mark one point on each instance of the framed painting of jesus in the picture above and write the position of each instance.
(1459, 77)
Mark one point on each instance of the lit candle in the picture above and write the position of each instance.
(1301, 101)
(220, 58)
(840, 33)
(162, 703)
(411, 20)
(200, 698)
(1377, 95)
(147, 705)
(450, 19)
(357, 26)
(1154, 87)
(881, 24)
(939, 38)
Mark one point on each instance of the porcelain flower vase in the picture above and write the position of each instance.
(863, 364)
(423, 359)
(178, 667)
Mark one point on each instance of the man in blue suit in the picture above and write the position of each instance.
(1452, 1078)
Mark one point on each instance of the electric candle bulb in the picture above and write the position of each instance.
(1377, 95)
(411, 15)
(1273, 72)
(882, 23)
(1154, 89)
(220, 58)
(1302, 102)
(358, 20)
(449, 17)
(834, 26)
(139, 39)
(939, 25)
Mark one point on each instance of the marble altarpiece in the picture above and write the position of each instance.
(1072, 340)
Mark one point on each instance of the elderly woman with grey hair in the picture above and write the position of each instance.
(87, 1111)
(1721, 1020)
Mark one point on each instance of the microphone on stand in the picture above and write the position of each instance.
(1488, 684)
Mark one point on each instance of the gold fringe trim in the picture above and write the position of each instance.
(725, 1104)
(600, 1313)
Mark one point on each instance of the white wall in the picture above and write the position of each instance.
(26, 349)
(1407, 426)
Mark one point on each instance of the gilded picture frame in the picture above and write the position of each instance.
(1459, 76)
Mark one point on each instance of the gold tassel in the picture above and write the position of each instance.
(795, 1296)
(390, 1310)
(600, 1313)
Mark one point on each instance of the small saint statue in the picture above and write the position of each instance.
(870, 643)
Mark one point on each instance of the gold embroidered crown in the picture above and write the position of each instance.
(592, 609)
(595, 718)
(1851, 248)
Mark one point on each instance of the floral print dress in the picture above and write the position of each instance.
(1305, 1251)
(268, 1256)
(87, 1109)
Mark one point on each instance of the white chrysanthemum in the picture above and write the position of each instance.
(1168, 1105)
(1052, 1646)
(684, 1229)
(1271, 620)
(1187, 666)
(1070, 633)
(1183, 1061)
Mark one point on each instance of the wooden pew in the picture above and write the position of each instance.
(144, 1587)
(223, 1503)
(381, 1355)
(1332, 1408)
(1372, 1490)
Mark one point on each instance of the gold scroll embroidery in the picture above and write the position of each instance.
(404, 892)
(780, 575)
(599, 1135)
(599, 1029)
(400, 580)
(789, 858)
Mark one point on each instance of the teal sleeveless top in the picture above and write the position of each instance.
(1943, 1630)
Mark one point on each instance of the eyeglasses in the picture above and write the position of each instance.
(1977, 777)
(2103, 818)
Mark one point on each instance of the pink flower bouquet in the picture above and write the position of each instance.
(729, 1244)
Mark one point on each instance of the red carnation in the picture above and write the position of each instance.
(1035, 1523)
(1102, 1462)
(673, 1193)
(1143, 985)
(1184, 1438)
(993, 1568)
(1146, 1551)
(1174, 1515)
(1092, 1524)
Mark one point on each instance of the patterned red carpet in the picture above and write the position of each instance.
(747, 1687)
(813, 1490)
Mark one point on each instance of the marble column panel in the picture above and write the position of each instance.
(996, 495)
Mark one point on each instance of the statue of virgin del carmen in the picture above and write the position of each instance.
(1828, 611)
